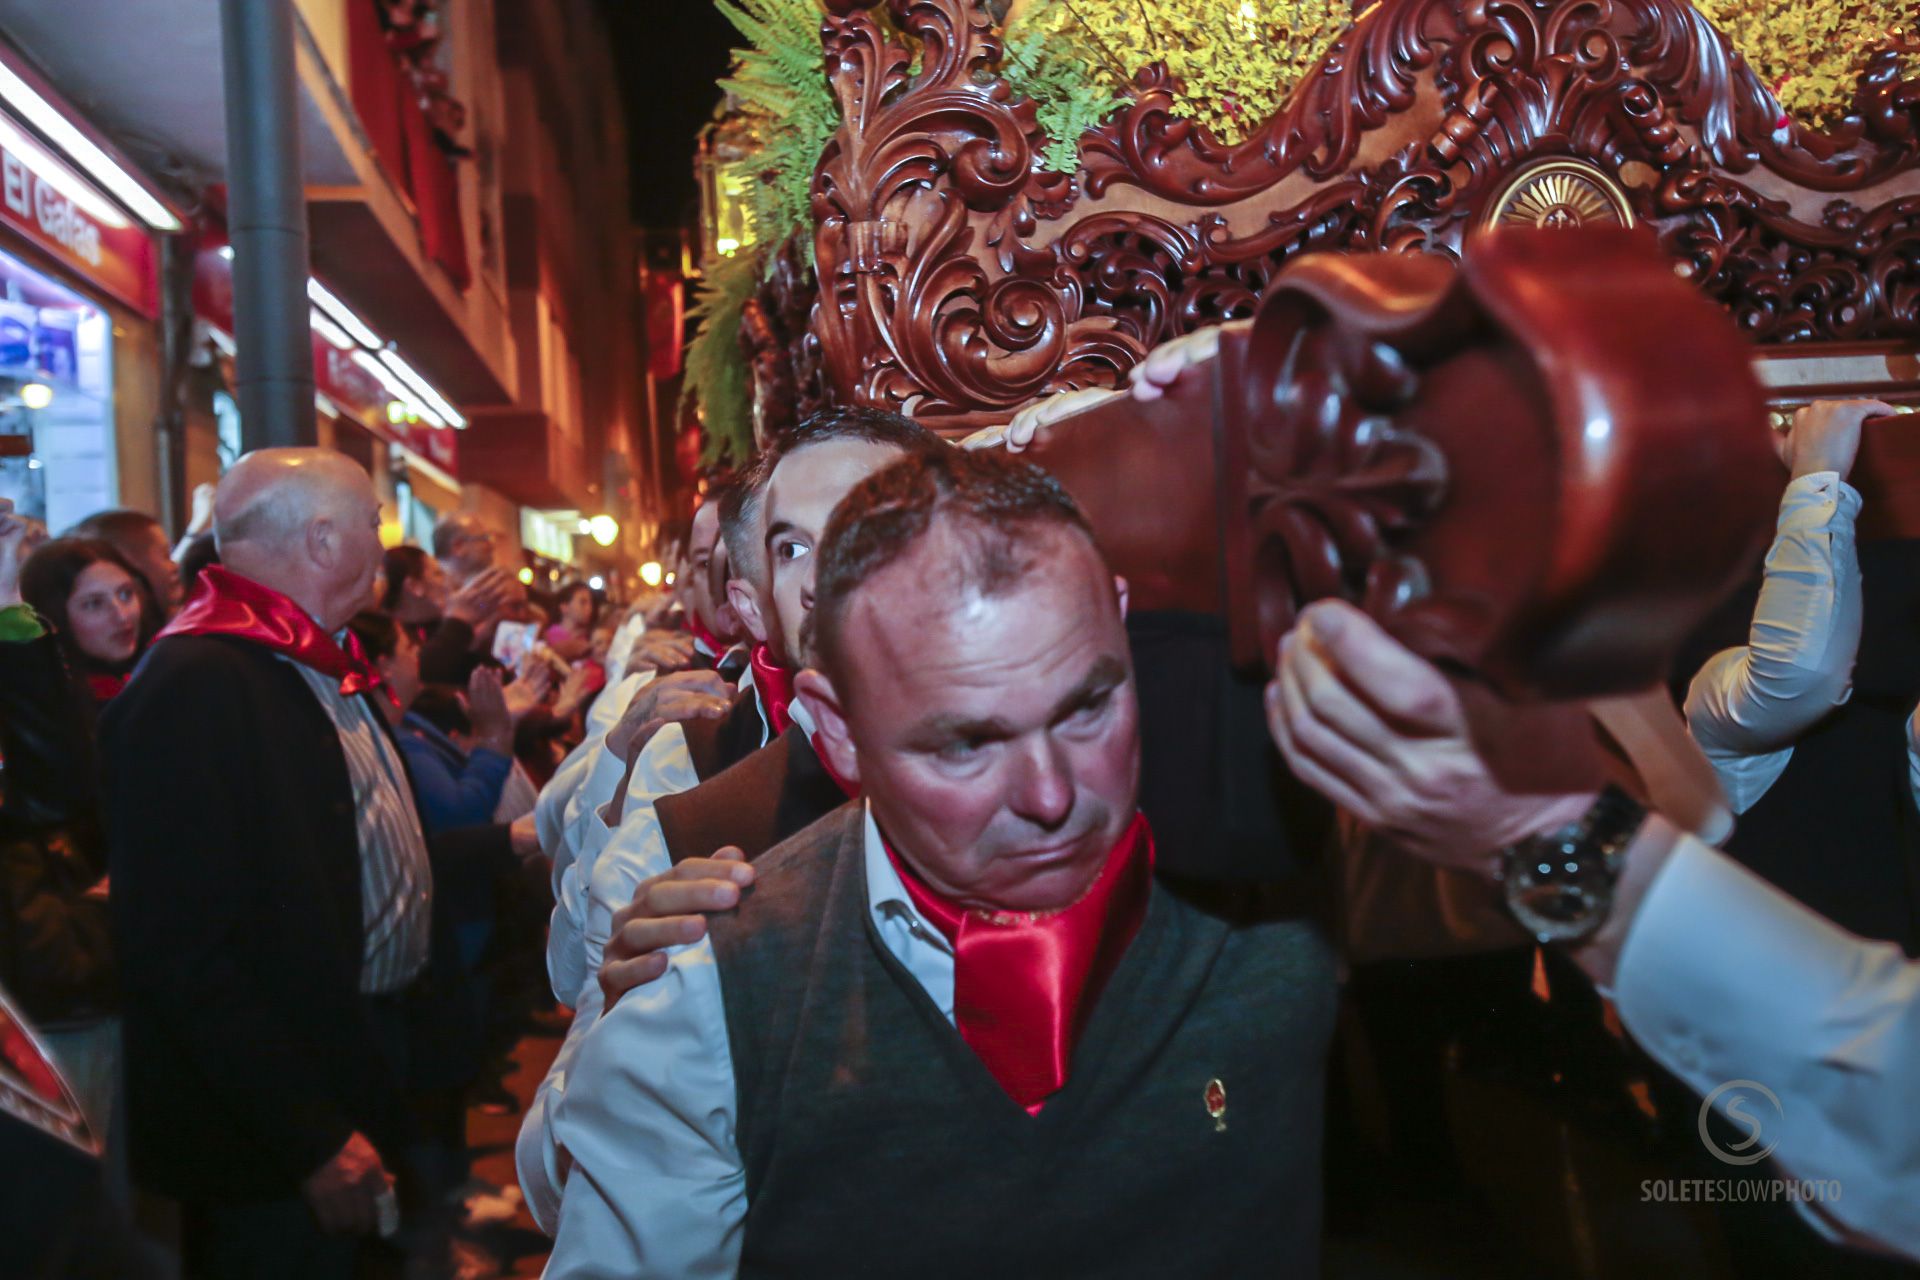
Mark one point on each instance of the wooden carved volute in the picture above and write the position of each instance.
(1546, 465)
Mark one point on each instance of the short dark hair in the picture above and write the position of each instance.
(115, 525)
(48, 579)
(379, 635)
(402, 565)
(993, 501)
(442, 708)
(739, 512)
(855, 422)
(569, 590)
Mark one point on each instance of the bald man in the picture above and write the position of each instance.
(271, 889)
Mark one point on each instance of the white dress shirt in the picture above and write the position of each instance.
(1748, 704)
(620, 648)
(1724, 978)
(550, 811)
(657, 1186)
(664, 767)
(601, 880)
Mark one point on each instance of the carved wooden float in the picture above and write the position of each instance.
(1546, 465)
(958, 281)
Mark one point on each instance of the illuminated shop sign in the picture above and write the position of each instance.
(67, 217)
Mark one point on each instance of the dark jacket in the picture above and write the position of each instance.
(773, 793)
(237, 915)
(56, 956)
(714, 746)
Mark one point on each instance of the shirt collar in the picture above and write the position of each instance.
(802, 717)
(886, 895)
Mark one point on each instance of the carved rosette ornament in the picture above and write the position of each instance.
(957, 281)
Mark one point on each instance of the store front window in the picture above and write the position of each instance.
(56, 390)
(417, 518)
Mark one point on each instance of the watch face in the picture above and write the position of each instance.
(1556, 892)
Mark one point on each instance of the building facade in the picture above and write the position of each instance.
(473, 285)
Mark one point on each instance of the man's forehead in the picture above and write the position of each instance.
(706, 525)
(821, 473)
(924, 618)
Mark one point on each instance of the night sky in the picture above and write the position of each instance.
(671, 54)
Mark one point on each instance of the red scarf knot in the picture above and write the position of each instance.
(703, 640)
(1025, 984)
(104, 686)
(775, 685)
(226, 604)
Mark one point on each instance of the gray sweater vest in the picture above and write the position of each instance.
(876, 1143)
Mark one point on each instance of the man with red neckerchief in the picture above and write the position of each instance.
(748, 779)
(962, 1027)
(272, 894)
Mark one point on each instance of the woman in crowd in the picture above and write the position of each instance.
(97, 606)
(572, 636)
(81, 619)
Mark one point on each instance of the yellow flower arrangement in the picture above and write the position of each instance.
(1811, 52)
(1237, 60)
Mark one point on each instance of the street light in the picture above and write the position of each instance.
(605, 530)
(651, 573)
(36, 395)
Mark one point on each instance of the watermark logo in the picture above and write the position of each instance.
(1755, 1111)
(1751, 1107)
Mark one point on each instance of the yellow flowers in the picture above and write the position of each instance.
(1236, 62)
(1811, 52)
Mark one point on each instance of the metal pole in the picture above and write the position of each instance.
(267, 225)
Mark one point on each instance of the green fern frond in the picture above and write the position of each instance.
(716, 372)
(1068, 99)
(780, 79)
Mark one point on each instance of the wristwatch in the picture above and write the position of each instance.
(1559, 884)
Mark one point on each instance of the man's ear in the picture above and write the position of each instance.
(831, 739)
(323, 542)
(1120, 590)
(746, 603)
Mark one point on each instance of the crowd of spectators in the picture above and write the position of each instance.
(477, 735)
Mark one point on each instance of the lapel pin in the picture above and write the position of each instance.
(1215, 1098)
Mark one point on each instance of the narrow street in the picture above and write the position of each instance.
(496, 1236)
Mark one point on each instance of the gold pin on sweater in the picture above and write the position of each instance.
(1215, 1098)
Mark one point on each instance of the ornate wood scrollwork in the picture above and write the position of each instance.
(958, 282)
(1481, 456)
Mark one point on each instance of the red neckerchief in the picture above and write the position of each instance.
(704, 638)
(17, 1052)
(103, 687)
(1024, 985)
(226, 604)
(775, 685)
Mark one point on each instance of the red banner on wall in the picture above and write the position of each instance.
(66, 216)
